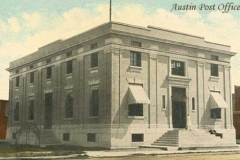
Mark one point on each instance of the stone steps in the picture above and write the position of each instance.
(48, 138)
(191, 138)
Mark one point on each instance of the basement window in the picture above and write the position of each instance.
(66, 137)
(91, 137)
(137, 137)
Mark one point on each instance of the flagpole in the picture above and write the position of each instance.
(110, 11)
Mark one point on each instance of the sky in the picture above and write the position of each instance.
(26, 25)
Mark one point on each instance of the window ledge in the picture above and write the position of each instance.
(216, 119)
(16, 88)
(15, 122)
(68, 119)
(48, 80)
(135, 69)
(69, 75)
(136, 117)
(173, 79)
(214, 78)
(163, 109)
(31, 85)
(93, 117)
(93, 70)
(30, 121)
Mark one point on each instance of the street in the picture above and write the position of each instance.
(191, 156)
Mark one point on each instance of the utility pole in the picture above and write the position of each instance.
(110, 11)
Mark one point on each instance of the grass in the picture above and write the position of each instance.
(9, 150)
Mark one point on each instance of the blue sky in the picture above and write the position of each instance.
(26, 25)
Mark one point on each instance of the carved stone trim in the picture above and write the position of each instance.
(179, 80)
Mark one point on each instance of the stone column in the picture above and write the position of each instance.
(227, 97)
(200, 93)
(152, 90)
(80, 89)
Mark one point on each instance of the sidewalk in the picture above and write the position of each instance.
(130, 152)
(125, 153)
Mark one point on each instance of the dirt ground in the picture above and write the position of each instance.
(191, 156)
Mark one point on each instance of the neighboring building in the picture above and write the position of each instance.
(236, 111)
(119, 85)
(3, 119)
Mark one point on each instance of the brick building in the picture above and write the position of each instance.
(236, 111)
(119, 85)
(3, 119)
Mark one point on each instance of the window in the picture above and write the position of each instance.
(216, 113)
(214, 67)
(214, 70)
(17, 71)
(137, 137)
(91, 137)
(69, 105)
(135, 59)
(93, 46)
(94, 60)
(32, 77)
(48, 61)
(94, 103)
(31, 110)
(66, 137)
(69, 54)
(31, 66)
(136, 44)
(193, 104)
(49, 72)
(215, 58)
(16, 112)
(17, 81)
(178, 68)
(163, 102)
(69, 67)
(14, 135)
(135, 110)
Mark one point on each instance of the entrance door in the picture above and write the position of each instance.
(179, 114)
(48, 111)
(179, 107)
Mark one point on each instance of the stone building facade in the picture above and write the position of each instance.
(119, 85)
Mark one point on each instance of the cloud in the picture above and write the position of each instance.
(25, 34)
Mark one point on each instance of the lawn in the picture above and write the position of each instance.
(9, 150)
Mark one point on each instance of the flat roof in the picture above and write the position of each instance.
(150, 32)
